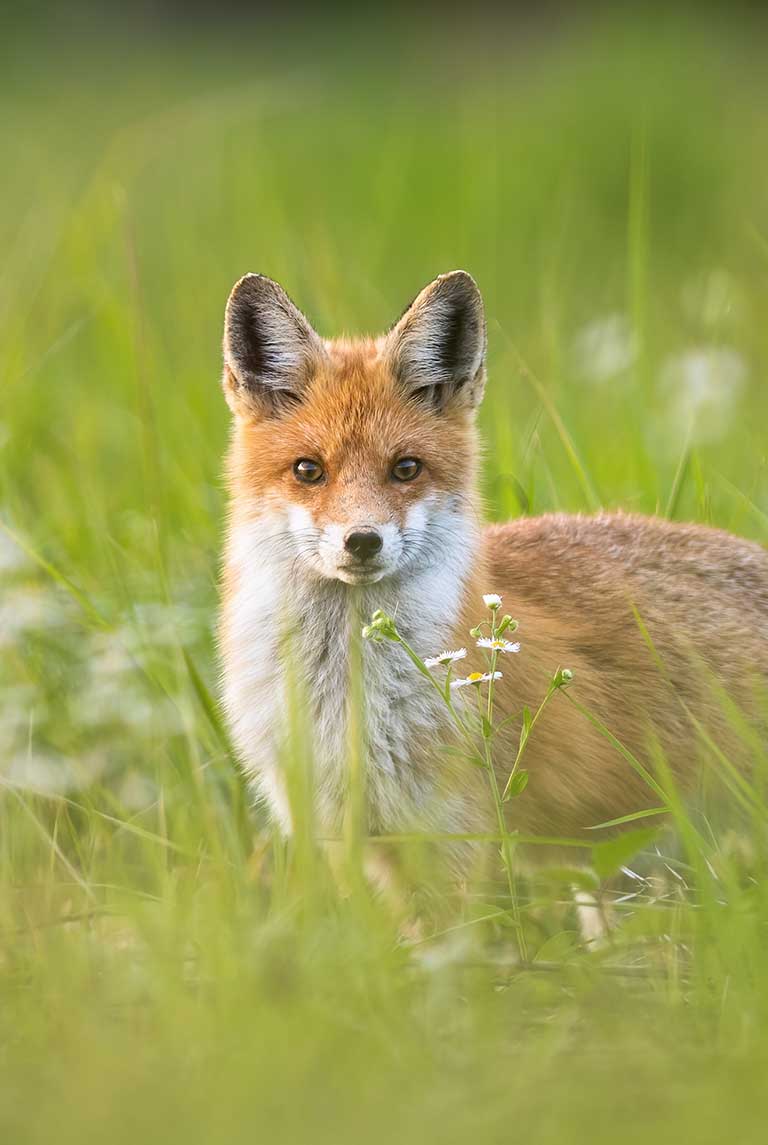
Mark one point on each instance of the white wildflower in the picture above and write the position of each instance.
(28, 609)
(702, 388)
(22, 707)
(605, 348)
(159, 625)
(445, 658)
(498, 645)
(114, 690)
(492, 600)
(48, 772)
(476, 678)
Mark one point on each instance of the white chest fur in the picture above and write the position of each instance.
(286, 643)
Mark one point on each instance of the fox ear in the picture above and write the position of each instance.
(270, 349)
(437, 349)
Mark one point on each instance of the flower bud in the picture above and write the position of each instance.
(382, 627)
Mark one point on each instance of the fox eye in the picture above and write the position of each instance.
(308, 471)
(406, 469)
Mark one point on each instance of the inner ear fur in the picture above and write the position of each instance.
(437, 348)
(271, 351)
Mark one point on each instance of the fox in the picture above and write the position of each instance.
(353, 481)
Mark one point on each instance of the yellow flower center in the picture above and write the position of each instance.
(475, 677)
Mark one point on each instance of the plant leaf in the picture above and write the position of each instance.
(647, 813)
(610, 856)
(518, 784)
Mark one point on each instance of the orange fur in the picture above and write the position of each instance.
(355, 417)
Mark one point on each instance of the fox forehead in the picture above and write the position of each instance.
(355, 418)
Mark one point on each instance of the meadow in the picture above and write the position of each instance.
(169, 969)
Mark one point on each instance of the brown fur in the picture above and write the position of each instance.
(583, 589)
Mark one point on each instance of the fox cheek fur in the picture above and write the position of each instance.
(311, 550)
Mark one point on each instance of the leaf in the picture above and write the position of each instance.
(504, 918)
(647, 813)
(610, 856)
(518, 784)
(525, 729)
(557, 947)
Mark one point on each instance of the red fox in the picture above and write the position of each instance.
(353, 479)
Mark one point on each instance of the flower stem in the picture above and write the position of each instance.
(556, 683)
(507, 847)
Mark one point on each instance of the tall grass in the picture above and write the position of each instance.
(169, 969)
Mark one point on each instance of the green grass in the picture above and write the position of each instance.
(168, 971)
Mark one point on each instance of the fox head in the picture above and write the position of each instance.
(359, 454)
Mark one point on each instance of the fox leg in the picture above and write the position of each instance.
(595, 923)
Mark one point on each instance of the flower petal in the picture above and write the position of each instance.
(445, 658)
(476, 678)
(498, 645)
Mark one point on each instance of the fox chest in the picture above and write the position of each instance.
(376, 703)
(314, 700)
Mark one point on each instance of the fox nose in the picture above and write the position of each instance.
(363, 543)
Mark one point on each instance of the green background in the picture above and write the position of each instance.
(166, 970)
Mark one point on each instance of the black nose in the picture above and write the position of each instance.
(363, 543)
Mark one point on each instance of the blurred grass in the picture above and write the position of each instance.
(167, 971)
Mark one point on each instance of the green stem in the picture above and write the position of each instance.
(506, 853)
(506, 846)
(554, 686)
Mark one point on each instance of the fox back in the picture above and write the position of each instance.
(353, 486)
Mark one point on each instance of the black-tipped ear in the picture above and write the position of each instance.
(437, 349)
(270, 349)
